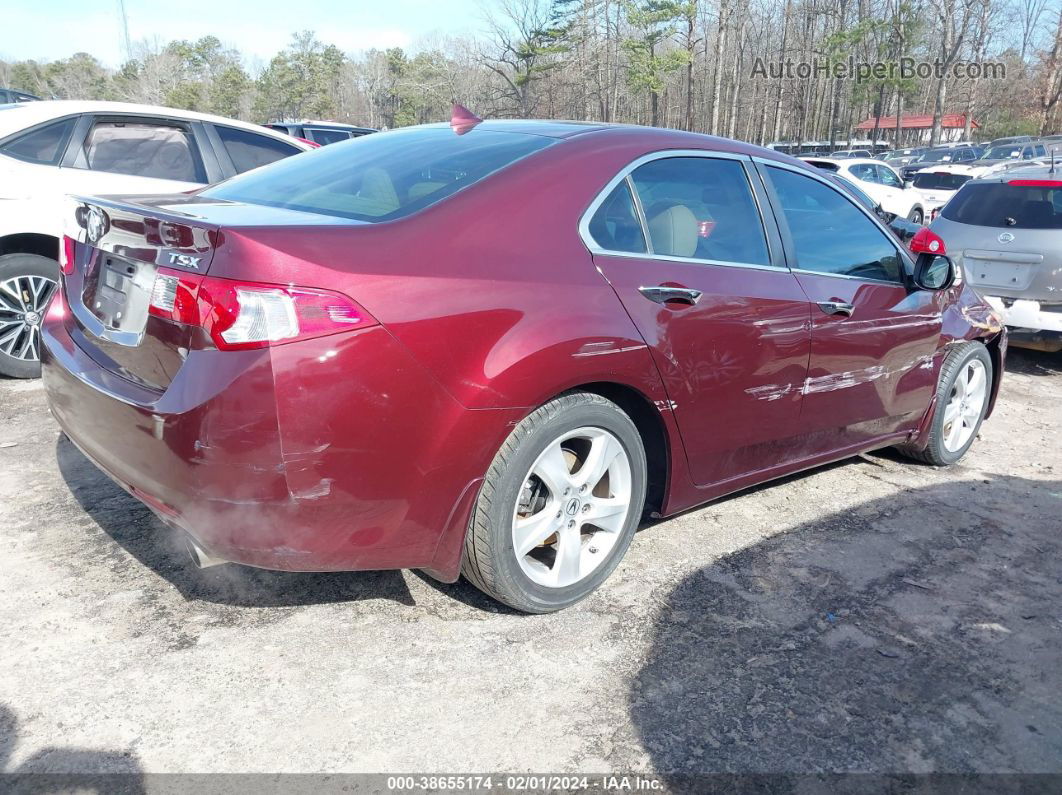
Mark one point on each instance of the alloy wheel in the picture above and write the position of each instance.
(572, 507)
(965, 404)
(23, 300)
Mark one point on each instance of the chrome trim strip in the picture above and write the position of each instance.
(853, 278)
(691, 260)
(624, 174)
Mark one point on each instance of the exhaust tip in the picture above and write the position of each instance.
(201, 559)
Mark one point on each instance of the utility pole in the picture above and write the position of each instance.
(123, 20)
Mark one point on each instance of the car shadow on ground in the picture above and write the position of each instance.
(915, 633)
(65, 769)
(1030, 362)
(136, 529)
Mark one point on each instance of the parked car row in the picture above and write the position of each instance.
(703, 315)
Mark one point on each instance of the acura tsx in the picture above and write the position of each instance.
(492, 348)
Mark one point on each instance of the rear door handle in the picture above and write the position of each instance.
(836, 308)
(663, 295)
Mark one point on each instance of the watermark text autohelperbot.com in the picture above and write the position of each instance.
(850, 69)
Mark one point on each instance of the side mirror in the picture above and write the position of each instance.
(934, 272)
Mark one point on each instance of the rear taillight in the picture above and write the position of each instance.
(1036, 183)
(926, 241)
(241, 315)
(66, 255)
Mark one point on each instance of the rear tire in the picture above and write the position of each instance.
(568, 489)
(27, 282)
(963, 393)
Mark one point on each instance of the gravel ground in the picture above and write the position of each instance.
(874, 615)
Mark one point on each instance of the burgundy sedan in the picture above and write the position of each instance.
(491, 350)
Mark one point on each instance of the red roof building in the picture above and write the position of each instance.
(921, 127)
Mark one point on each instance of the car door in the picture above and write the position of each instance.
(867, 177)
(134, 154)
(680, 237)
(898, 200)
(873, 338)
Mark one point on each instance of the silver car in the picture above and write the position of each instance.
(1006, 232)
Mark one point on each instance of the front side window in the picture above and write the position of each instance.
(701, 208)
(41, 145)
(384, 176)
(144, 149)
(615, 226)
(249, 150)
(830, 235)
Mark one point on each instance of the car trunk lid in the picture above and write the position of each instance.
(137, 266)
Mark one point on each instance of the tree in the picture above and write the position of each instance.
(649, 62)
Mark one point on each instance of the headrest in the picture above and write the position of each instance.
(673, 231)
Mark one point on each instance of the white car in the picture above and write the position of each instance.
(54, 148)
(937, 185)
(879, 181)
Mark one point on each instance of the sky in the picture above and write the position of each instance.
(53, 29)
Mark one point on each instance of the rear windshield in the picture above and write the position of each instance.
(932, 180)
(381, 177)
(1000, 204)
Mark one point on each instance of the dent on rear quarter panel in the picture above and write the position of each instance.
(375, 452)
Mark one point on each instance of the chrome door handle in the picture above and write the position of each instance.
(663, 295)
(836, 308)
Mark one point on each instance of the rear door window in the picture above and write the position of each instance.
(886, 176)
(701, 208)
(1007, 205)
(864, 172)
(157, 150)
(830, 234)
(42, 144)
(249, 150)
(386, 176)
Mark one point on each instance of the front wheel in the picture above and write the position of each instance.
(27, 282)
(963, 393)
(916, 215)
(559, 505)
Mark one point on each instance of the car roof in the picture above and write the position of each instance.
(1034, 171)
(26, 114)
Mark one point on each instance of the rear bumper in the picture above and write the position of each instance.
(333, 454)
(1022, 313)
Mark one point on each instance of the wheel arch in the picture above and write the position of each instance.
(30, 243)
(651, 427)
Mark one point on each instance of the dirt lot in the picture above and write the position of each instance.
(875, 615)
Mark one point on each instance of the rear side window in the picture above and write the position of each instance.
(324, 137)
(615, 225)
(701, 208)
(830, 234)
(384, 176)
(42, 145)
(249, 150)
(144, 149)
(1003, 205)
(932, 180)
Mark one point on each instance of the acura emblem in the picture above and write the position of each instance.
(95, 223)
(1006, 237)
